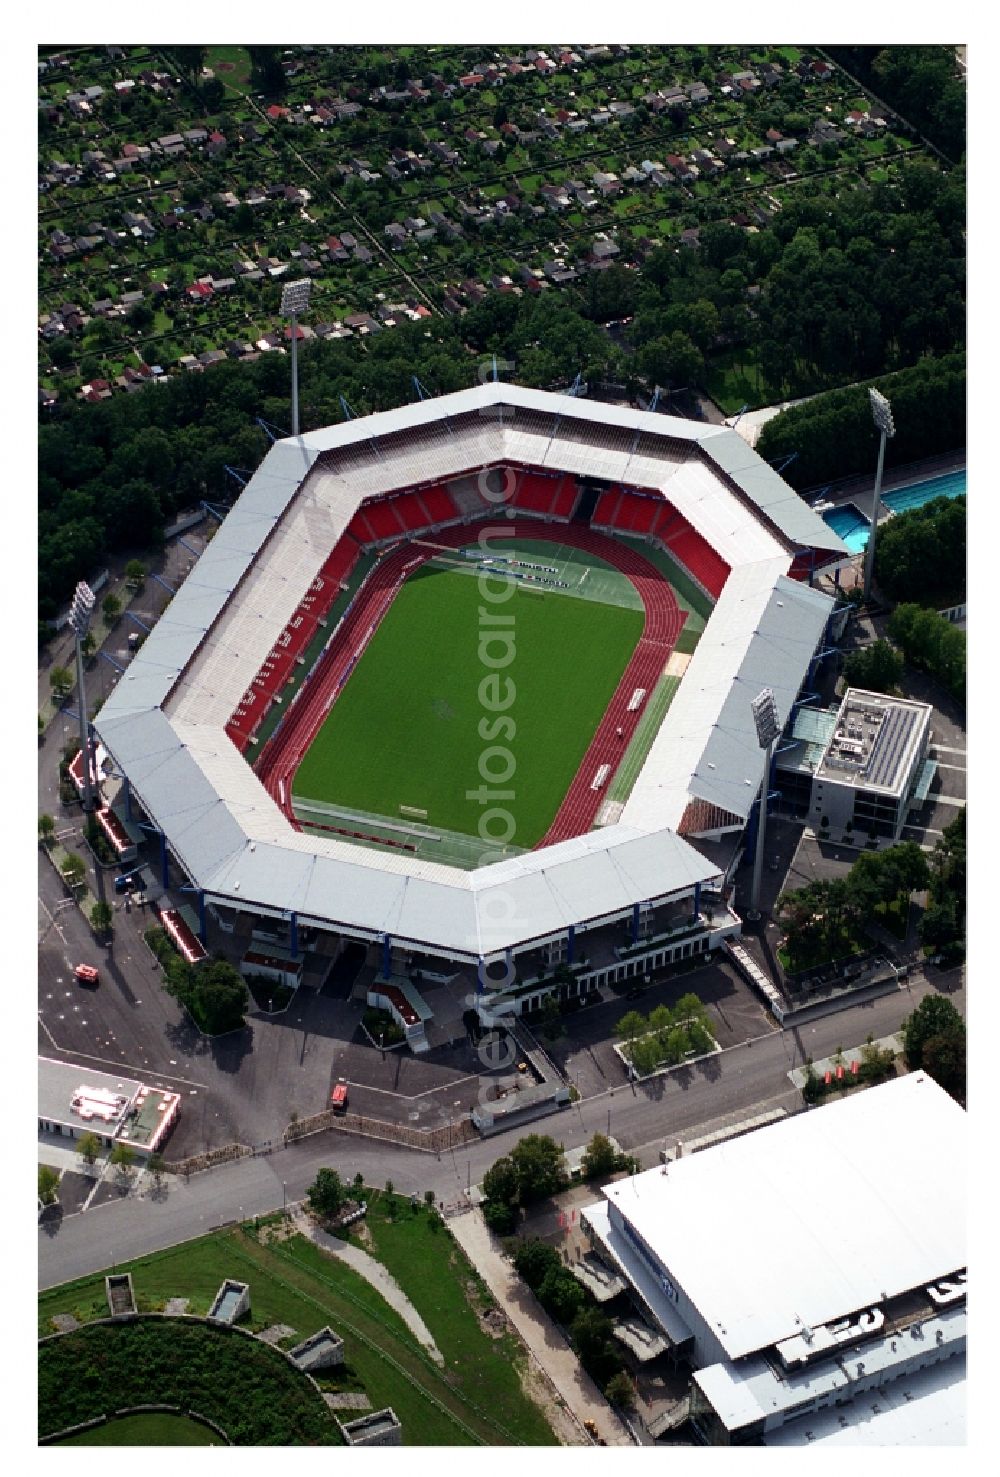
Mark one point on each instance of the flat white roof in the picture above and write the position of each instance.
(926, 1408)
(811, 1218)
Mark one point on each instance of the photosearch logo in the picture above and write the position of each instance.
(497, 1051)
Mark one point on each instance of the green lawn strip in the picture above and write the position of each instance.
(153, 1428)
(642, 740)
(689, 637)
(405, 730)
(256, 1396)
(394, 1371)
(485, 1369)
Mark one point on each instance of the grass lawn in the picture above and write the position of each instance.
(406, 729)
(408, 1241)
(154, 1428)
(293, 1282)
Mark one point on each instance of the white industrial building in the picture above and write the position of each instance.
(812, 1273)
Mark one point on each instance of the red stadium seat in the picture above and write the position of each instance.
(382, 520)
(411, 512)
(438, 503)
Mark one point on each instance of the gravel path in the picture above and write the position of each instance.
(374, 1273)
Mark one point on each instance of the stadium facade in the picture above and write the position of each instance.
(613, 901)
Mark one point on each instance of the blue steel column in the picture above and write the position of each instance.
(635, 923)
(201, 915)
(294, 934)
(387, 953)
(480, 973)
(570, 944)
(164, 866)
(128, 800)
(697, 902)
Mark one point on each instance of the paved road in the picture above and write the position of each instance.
(731, 1085)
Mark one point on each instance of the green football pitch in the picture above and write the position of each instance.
(410, 727)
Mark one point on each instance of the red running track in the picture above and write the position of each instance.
(664, 621)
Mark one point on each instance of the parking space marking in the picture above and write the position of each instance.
(943, 749)
(412, 1097)
(961, 768)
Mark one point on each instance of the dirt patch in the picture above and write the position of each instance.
(538, 1389)
(363, 1233)
(225, 67)
(279, 1231)
(494, 1323)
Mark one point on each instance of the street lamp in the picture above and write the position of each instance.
(80, 612)
(882, 416)
(295, 300)
(765, 717)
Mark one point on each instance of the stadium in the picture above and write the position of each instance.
(469, 683)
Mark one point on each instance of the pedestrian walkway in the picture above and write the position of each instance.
(374, 1273)
(542, 1338)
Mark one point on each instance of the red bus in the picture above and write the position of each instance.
(338, 1098)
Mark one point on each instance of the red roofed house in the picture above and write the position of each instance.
(473, 79)
(274, 112)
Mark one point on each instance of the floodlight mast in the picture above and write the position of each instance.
(768, 725)
(295, 300)
(79, 619)
(882, 416)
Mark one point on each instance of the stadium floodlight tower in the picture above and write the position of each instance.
(80, 612)
(295, 300)
(882, 415)
(765, 716)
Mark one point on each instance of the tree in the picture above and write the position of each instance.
(217, 996)
(943, 1058)
(501, 1217)
(534, 1261)
(631, 1025)
(620, 1391)
(672, 360)
(48, 1183)
(561, 1295)
(934, 1016)
(590, 1334)
(155, 1166)
(540, 1166)
(601, 1158)
(74, 869)
(501, 1182)
(46, 828)
(60, 681)
(135, 575)
(326, 1194)
(111, 608)
(122, 1158)
(429, 1199)
(101, 917)
(878, 667)
(88, 1146)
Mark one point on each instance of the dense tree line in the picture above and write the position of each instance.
(921, 82)
(942, 927)
(569, 1303)
(920, 555)
(824, 919)
(833, 435)
(934, 1040)
(933, 644)
(214, 993)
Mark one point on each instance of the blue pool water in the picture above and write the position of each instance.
(852, 525)
(918, 493)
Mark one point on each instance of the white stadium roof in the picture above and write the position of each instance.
(164, 722)
(813, 1217)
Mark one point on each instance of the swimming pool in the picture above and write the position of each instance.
(850, 524)
(918, 493)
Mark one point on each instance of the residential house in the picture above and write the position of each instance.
(216, 144)
(196, 136)
(698, 93)
(363, 255)
(396, 234)
(604, 249)
(691, 237)
(607, 184)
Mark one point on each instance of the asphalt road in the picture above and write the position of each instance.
(734, 1084)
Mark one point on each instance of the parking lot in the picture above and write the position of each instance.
(586, 1051)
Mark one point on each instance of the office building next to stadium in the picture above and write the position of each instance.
(612, 902)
